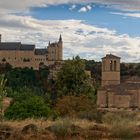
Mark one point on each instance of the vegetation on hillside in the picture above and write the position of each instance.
(32, 107)
(73, 80)
(71, 95)
(34, 95)
(3, 81)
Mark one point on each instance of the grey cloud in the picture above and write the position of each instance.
(91, 46)
(17, 5)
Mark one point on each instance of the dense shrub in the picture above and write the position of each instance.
(122, 130)
(19, 77)
(32, 107)
(118, 117)
(74, 105)
(60, 127)
(92, 115)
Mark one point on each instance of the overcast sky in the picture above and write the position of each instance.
(90, 28)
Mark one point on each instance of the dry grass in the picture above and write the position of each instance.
(83, 123)
(119, 126)
(42, 124)
(19, 124)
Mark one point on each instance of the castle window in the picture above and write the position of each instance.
(115, 65)
(111, 65)
(26, 60)
(3, 60)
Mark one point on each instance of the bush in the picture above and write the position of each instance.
(33, 107)
(116, 117)
(122, 130)
(61, 127)
(72, 105)
(19, 77)
(30, 128)
(92, 115)
(122, 124)
(22, 93)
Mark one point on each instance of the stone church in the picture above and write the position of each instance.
(26, 55)
(113, 93)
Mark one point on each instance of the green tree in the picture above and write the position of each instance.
(95, 68)
(3, 81)
(137, 69)
(72, 79)
(20, 77)
(32, 107)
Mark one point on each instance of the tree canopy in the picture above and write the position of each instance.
(32, 107)
(73, 80)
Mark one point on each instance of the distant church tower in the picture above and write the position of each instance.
(60, 48)
(110, 70)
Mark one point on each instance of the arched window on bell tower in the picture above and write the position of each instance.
(110, 70)
(111, 65)
(115, 65)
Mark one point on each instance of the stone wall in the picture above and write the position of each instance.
(102, 98)
(122, 101)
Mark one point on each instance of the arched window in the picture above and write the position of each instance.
(111, 65)
(115, 65)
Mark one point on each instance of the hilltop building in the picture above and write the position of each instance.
(113, 93)
(26, 55)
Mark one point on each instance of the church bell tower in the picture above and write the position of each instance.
(110, 70)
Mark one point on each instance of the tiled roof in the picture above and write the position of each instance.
(10, 46)
(111, 56)
(15, 46)
(27, 47)
(40, 51)
(124, 87)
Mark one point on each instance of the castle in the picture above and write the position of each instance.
(26, 55)
(113, 94)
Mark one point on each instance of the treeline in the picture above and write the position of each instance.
(130, 69)
(34, 95)
(127, 69)
(72, 92)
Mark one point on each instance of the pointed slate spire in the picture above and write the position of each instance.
(49, 43)
(60, 38)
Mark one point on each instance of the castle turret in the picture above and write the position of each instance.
(110, 70)
(49, 43)
(60, 48)
(60, 38)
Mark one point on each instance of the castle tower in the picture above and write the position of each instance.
(60, 48)
(0, 38)
(110, 70)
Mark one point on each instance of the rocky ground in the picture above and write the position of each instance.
(60, 130)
